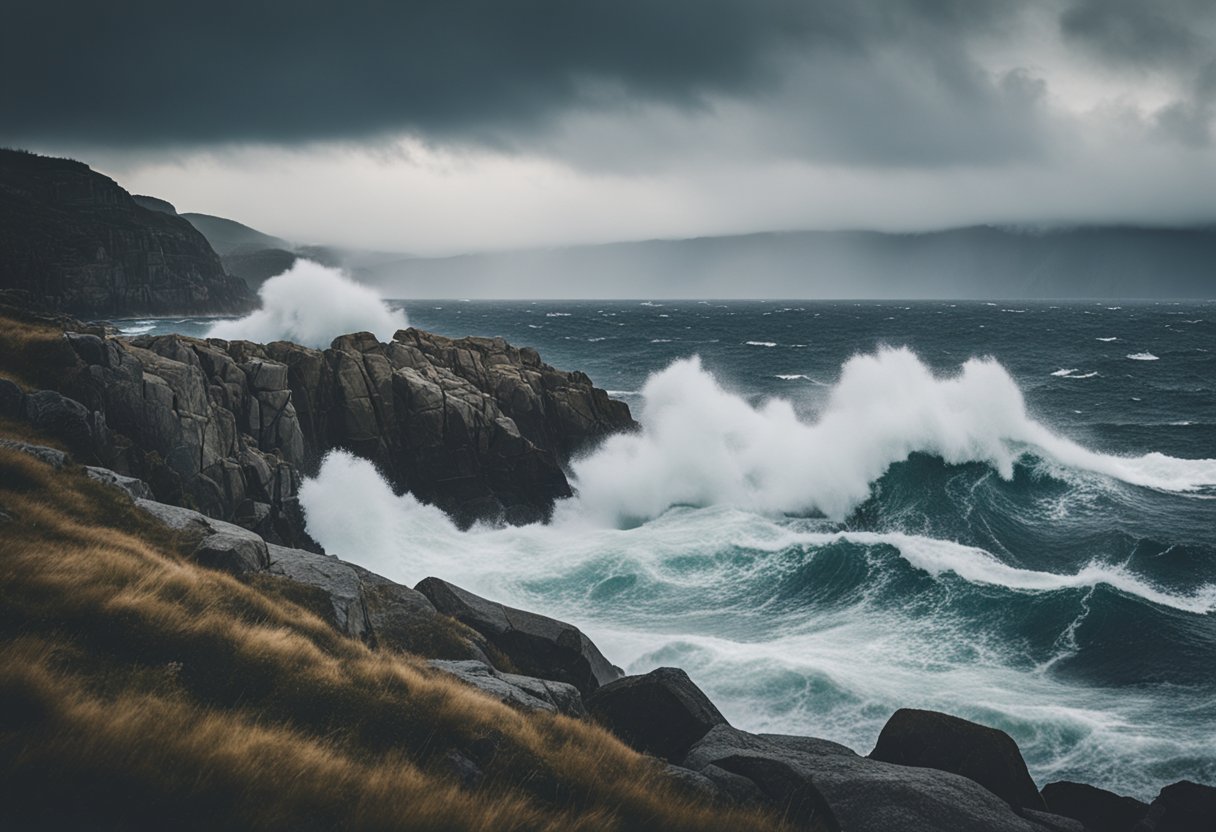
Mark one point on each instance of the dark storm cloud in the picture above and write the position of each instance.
(491, 72)
(1141, 32)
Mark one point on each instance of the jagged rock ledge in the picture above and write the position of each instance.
(475, 426)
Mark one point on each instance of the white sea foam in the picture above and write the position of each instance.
(137, 327)
(1108, 340)
(1063, 373)
(1073, 374)
(760, 343)
(1143, 356)
(702, 445)
(312, 304)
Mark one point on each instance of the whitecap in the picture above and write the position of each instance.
(760, 343)
(1143, 356)
(1108, 340)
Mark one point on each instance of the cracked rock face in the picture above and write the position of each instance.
(78, 242)
(474, 426)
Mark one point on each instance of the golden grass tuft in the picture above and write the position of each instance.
(33, 352)
(139, 690)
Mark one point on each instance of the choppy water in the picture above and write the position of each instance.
(1027, 541)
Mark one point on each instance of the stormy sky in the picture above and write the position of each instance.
(459, 125)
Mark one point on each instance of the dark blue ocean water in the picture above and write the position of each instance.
(1030, 542)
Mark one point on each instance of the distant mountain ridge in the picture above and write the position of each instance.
(974, 262)
(74, 240)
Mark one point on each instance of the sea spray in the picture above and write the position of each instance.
(312, 304)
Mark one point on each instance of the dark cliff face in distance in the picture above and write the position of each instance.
(475, 426)
(77, 242)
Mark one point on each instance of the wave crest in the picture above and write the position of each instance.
(312, 304)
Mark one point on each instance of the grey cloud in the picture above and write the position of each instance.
(1160, 32)
(141, 74)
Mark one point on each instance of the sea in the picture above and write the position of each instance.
(1000, 510)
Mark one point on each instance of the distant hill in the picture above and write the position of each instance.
(976, 262)
(231, 237)
(75, 241)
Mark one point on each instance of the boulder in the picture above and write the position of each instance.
(63, 418)
(12, 400)
(237, 554)
(533, 644)
(1181, 807)
(524, 692)
(986, 755)
(1098, 809)
(661, 713)
(400, 618)
(862, 794)
(51, 456)
(337, 579)
(136, 488)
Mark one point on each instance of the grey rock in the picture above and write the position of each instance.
(1097, 809)
(51, 456)
(336, 578)
(694, 782)
(535, 644)
(1053, 822)
(12, 400)
(987, 755)
(661, 713)
(400, 618)
(524, 692)
(136, 488)
(232, 553)
(63, 418)
(863, 795)
(1181, 807)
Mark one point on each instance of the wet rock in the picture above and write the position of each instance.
(661, 713)
(1181, 807)
(986, 755)
(862, 794)
(1098, 809)
(534, 644)
(527, 693)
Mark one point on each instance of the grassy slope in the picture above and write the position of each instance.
(139, 690)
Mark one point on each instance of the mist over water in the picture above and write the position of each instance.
(893, 505)
(312, 304)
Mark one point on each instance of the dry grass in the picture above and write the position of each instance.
(138, 690)
(33, 352)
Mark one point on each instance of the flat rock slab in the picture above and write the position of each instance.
(524, 692)
(535, 644)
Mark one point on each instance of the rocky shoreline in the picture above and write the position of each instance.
(212, 439)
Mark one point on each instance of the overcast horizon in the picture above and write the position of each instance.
(474, 126)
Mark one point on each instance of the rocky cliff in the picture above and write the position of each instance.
(76, 241)
(474, 426)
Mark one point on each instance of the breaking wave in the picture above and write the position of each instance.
(312, 304)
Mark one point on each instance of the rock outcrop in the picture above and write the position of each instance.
(1097, 809)
(528, 693)
(661, 713)
(534, 644)
(986, 755)
(475, 426)
(77, 242)
(1181, 807)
